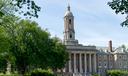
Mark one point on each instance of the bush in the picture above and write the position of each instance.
(95, 74)
(117, 73)
(40, 72)
(1, 74)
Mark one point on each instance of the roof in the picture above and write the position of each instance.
(68, 12)
(103, 50)
(80, 47)
(121, 50)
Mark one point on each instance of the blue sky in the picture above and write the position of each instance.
(95, 22)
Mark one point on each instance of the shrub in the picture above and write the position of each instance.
(1, 74)
(40, 72)
(117, 73)
(95, 74)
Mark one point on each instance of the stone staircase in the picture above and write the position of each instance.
(73, 74)
(81, 74)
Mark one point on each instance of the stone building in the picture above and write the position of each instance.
(111, 59)
(121, 58)
(105, 59)
(86, 60)
(82, 58)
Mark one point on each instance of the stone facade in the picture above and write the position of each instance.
(86, 60)
(82, 59)
(109, 60)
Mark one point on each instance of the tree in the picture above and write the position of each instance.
(32, 46)
(3, 64)
(32, 7)
(24, 39)
(6, 7)
(59, 56)
(25, 7)
(120, 6)
(4, 50)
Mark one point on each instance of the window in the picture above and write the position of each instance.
(120, 64)
(70, 21)
(99, 64)
(120, 57)
(105, 64)
(70, 36)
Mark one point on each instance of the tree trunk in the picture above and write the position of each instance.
(8, 67)
(22, 70)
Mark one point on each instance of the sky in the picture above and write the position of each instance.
(95, 22)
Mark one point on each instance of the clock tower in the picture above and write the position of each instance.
(69, 32)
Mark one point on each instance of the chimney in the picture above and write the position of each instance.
(110, 45)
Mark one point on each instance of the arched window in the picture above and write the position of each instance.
(70, 36)
(70, 21)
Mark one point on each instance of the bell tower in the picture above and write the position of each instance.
(69, 32)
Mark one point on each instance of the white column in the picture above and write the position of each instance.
(74, 63)
(70, 70)
(94, 62)
(80, 60)
(85, 63)
(90, 64)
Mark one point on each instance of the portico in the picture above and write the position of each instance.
(82, 62)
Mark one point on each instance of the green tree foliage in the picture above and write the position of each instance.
(31, 46)
(31, 6)
(4, 49)
(26, 7)
(3, 65)
(95, 74)
(58, 57)
(116, 73)
(40, 72)
(120, 6)
(4, 40)
(6, 7)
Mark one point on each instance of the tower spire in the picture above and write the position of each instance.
(68, 7)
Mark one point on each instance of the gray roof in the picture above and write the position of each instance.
(121, 50)
(103, 50)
